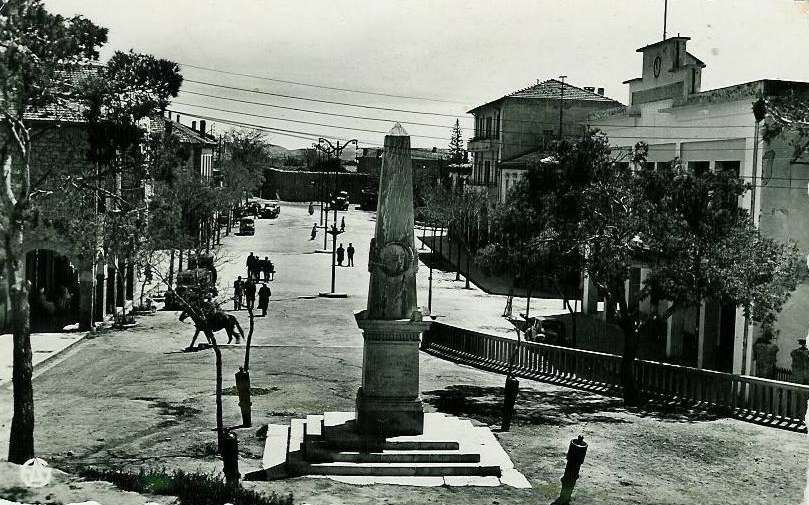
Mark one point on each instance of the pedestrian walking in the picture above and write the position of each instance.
(264, 294)
(266, 267)
(343, 223)
(250, 293)
(251, 264)
(238, 293)
(259, 268)
(350, 252)
(314, 231)
(340, 255)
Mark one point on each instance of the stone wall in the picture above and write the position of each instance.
(296, 186)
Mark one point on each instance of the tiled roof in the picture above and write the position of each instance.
(552, 89)
(535, 157)
(69, 111)
(184, 133)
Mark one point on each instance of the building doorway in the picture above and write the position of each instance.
(54, 290)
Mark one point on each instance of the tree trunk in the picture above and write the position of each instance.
(115, 281)
(528, 303)
(180, 262)
(124, 285)
(170, 282)
(21, 438)
(249, 340)
(467, 269)
(220, 425)
(458, 256)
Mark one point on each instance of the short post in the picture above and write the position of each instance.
(230, 458)
(512, 388)
(243, 389)
(575, 457)
(430, 288)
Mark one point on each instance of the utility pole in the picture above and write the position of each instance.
(336, 150)
(561, 103)
(665, 16)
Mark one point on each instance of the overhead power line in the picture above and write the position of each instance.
(345, 127)
(342, 127)
(368, 118)
(321, 86)
(315, 136)
(317, 100)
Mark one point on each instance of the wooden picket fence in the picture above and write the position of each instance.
(771, 402)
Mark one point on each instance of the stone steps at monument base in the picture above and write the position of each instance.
(297, 427)
(314, 426)
(402, 457)
(355, 445)
(401, 470)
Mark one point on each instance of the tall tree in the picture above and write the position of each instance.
(120, 100)
(37, 51)
(685, 226)
(457, 153)
(247, 156)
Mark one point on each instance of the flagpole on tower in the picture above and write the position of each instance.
(665, 16)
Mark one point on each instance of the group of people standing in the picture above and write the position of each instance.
(340, 252)
(257, 266)
(245, 290)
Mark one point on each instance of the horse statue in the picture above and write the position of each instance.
(216, 320)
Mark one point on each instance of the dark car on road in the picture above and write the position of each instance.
(270, 210)
(340, 202)
(191, 284)
(247, 226)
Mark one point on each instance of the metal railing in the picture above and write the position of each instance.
(751, 398)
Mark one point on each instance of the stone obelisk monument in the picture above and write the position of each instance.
(389, 403)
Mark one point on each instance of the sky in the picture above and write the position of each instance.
(446, 56)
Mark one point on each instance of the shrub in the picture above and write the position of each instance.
(189, 488)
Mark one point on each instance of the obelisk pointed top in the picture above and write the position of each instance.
(398, 131)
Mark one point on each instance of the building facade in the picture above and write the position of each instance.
(716, 130)
(523, 122)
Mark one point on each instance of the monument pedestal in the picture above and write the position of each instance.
(389, 401)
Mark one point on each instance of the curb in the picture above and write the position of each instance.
(37, 367)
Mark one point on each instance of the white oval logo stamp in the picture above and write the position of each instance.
(35, 473)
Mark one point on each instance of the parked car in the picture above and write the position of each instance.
(340, 202)
(199, 280)
(247, 226)
(270, 210)
(369, 199)
(205, 261)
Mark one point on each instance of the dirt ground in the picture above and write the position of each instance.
(131, 398)
(125, 399)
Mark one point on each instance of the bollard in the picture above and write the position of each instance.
(230, 458)
(512, 388)
(575, 457)
(243, 389)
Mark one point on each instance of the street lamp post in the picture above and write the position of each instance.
(334, 231)
(561, 103)
(336, 151)
(430, 289)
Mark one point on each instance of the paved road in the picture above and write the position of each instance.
(304, 273)
(130, 398)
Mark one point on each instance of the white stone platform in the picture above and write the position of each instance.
(451, 451)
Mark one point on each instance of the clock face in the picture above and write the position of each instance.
(658, 63)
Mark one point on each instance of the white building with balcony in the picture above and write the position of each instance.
(524, 122)
(716, 130)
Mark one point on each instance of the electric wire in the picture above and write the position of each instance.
(321, 86)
